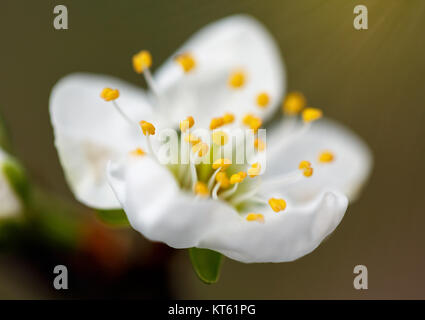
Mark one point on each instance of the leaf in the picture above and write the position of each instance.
(206, 263)
(115, 218)
(55, 221)
(15, 174)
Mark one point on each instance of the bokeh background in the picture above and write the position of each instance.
(372, 81)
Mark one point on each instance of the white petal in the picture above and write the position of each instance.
(220, 48)
(347, 173)
(10, 205)
(89, 132)
(158, 209)
(284, 236)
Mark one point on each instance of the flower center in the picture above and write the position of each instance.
(209, 174)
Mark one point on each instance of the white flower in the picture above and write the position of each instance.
(10, 204)
(232, 68)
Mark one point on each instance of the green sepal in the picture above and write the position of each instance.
(114, 218)
(206, 264)
(17, 178)
(54, 220)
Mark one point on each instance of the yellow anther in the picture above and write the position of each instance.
(254, 170)
(220, 138)
(200, 148)
(109, 94)
(259, 144)
(192, 139)
(263, 100)
(247, 119)
(141, 61)
(137, 152)
(228, 118)
(242, 174)
(216, 122)
(237, 79)
(187, 123)
(305, 167)
(277, 204)
(326, 156)
(255, 217)
(294, 103)
(237, 177)
(147, 128)
(312, 114)
(201, 189)
(252, 121)
(186, 61)
(304, 164)
(222, 163)
(308, 172)
(222, 178)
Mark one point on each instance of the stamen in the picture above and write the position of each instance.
(228, 193)
(109, 94)
(142, 61)
(212, 178)
(326, 156)
(304, 170)
(118, 108)
(201, 189)
(252, 121)
(220, 138)
(305, 167)
(245, 196)
(137, 152)
(216, 122)
(308, 172)
(222, 163)
(294, 103)
(277, 204)
(254, 170)
(222, 179)
(187, 124)
(259, 144)
(228, 118)
(192, 139)
(255, 217)
(304, 164)
(200, 148)
(237, 79)
(311, 114)
(222, 182)
(193, 173)
(186, 61)
(147, 128)
(283, 180)
(237, 177)
(215, 190)
(263, 100)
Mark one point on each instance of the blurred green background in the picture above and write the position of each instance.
(372, 81)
